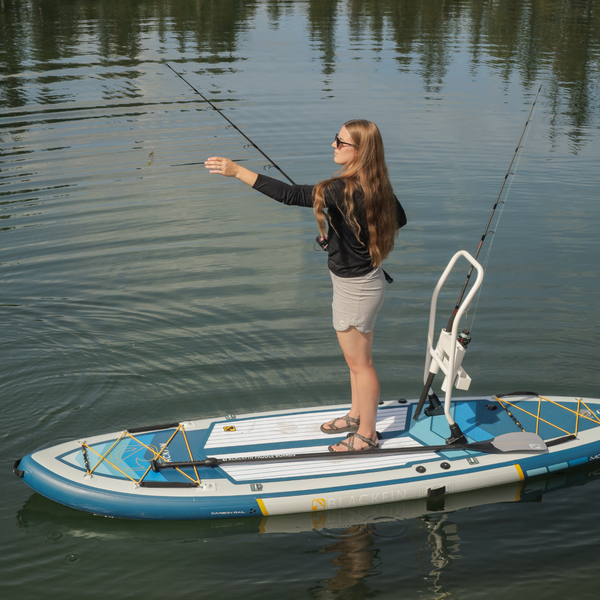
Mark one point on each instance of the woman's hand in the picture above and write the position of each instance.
(227, 168)
(221, 166)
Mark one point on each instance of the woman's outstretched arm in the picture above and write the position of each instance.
(298, 195)
(227, 168)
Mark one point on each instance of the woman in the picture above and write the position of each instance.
(364, 217)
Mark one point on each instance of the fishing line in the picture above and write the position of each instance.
(427, 387)
(519, 146)
(513, 173)
(250, 144)
(231, 138)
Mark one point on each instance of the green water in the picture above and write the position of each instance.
(138, 291)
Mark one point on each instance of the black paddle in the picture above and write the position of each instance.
(508, 442)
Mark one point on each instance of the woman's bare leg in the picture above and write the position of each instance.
(357, 348)
(354, 409)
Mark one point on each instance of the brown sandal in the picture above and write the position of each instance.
(372, 443)
(351, 425)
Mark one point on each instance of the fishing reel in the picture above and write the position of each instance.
(464, 338)
(323, 242)
(443, 350)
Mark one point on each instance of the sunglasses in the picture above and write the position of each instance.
(339, 142)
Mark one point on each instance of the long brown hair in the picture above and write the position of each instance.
(366, 172)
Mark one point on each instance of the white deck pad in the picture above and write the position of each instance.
(292, 428)
(310, 468)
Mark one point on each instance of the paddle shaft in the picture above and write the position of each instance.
(486, 446)
(431, 376)
(230, 122)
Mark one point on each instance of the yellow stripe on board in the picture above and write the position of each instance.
(262, 506)
(520, 472)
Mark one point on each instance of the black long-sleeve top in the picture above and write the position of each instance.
(348, 255)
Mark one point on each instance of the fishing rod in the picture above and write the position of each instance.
(430, 378)
(230, 122)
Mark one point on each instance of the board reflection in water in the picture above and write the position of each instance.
(352, 544)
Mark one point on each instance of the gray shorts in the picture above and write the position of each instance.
(357, 300)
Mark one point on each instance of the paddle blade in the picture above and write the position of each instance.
(519, 441)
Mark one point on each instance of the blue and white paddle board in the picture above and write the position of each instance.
(112, 474)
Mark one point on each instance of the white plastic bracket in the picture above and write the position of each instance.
(449, 353)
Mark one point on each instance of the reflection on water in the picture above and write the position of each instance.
(354, 558)
(442, 543)
(352, 546)
(556, 41)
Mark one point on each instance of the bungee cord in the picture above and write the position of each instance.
(250, 144)
(427, 387)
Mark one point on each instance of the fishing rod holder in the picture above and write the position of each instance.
(449, 351)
